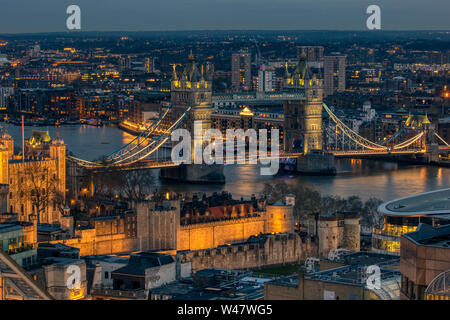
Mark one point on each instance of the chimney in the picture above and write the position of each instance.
(234, 212)
(250, 209)
(242, 213)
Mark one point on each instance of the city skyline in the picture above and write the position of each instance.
(175, 15)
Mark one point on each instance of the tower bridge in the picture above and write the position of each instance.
(308, 140)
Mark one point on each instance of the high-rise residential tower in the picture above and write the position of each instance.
(334, 73)
(266, 79)
(149, 65)
(241, 75)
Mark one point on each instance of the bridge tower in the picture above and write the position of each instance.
(303, 121)
(427, 142)
(192, 88)
(303, 118)
(431, 145)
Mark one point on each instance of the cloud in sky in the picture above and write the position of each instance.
(23, 16)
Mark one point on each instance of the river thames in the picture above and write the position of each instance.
(364, 178)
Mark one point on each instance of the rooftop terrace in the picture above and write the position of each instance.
(428, 203)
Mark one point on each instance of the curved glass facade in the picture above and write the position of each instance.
(387, 239)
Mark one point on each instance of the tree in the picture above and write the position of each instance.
(106, 182)
(135, 184)
(309, 201)
(131, 184)
(39, 184)
(370, 215)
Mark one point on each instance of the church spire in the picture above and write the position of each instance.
(191, 56)
(287, 70)
(303, 55)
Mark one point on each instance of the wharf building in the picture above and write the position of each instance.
(18, 240)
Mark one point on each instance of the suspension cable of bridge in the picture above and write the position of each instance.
(159, 141)
(134, 155)
(164, 137)
(409, 142)
(365, 143)
(356, 138)
(440, 138)
(141, 138)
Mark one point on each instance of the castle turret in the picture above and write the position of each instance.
(338, 230)
(280, 217)
(352, 232)
(8, 141)
(328, 233)
(4, 195)
(34, 221)
(58, 153)
(4, 167)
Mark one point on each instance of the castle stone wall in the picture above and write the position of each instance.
(212, 234)
(95, 245)
(277, 249)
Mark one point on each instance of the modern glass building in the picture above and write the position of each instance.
(12, 242)
(404, 215)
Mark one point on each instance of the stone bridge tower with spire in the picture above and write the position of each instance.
(303, 121)
(192, 88)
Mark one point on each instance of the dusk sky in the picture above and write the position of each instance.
(26, 16)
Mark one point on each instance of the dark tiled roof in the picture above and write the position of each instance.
(144, 260)
(429, 235)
